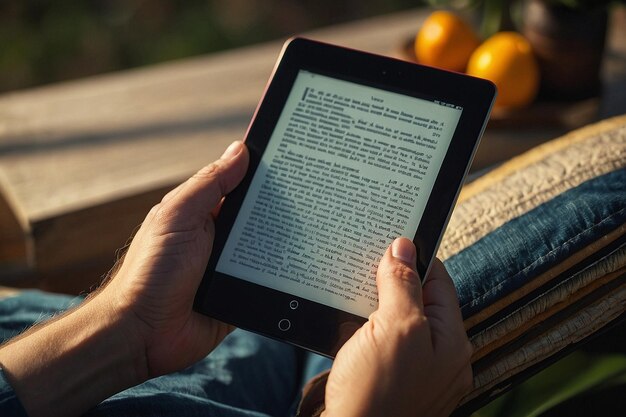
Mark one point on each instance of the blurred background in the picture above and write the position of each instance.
(44, 41)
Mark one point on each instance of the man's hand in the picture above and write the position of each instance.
(412, 358)
(161, 272)
(141, 324)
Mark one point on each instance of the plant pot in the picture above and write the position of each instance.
(569, 45)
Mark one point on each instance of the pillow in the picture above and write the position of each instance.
(537, 251)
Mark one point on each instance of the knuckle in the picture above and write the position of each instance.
(416, 323)
(405, 333)
(153, 215)
(154, 210)
(212, 173)
(208, 172)
(161, 214)
(404, 273)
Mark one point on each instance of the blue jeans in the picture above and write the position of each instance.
(247, 375)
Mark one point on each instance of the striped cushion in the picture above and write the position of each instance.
(537, 250)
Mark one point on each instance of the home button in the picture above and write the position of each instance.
(284, 325)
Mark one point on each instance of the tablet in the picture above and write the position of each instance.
(348, 150)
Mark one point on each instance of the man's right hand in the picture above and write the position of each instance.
(412, 358)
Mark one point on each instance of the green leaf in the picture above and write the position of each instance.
(575, 374)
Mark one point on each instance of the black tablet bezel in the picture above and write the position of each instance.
(309, 324)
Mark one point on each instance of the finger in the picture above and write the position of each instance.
(441, 306)
(459, 382)
(464, 382)
(441, 290)
(440, 293)
(458, 389)
(172, 193)
(399, 287)
(201, 193)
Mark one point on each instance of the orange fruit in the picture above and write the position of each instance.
(445, 41)
(507, 60)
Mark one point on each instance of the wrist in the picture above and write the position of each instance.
(117, 327)
(71, 363)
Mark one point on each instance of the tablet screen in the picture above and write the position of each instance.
(348, 168)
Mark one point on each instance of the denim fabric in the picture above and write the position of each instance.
(20, 312)
(511, 255)
(17, 314)
(10, 405)
(246, 376)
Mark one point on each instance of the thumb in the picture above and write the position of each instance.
(203, 191)
(399, 286)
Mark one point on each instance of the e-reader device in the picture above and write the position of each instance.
(348, 150)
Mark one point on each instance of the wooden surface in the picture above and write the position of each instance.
(82, 162)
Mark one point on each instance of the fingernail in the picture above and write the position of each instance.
(403, 249)
(232, 151)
